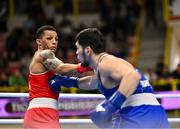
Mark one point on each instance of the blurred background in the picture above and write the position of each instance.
(143, 32)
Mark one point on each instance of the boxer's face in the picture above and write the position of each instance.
(79, 52)
(83, 54)
(49, 40)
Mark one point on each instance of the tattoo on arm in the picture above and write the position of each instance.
(52, 63)
(49, 60)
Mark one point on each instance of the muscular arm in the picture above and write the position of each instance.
(128, 82)
(53, 63)
(88, 83)
(123, 73)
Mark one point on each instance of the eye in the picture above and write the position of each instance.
(56, 38)
(49, 38)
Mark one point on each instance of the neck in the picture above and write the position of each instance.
(40, 48)
(96, 60)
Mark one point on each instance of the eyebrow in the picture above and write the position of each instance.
(52, 36)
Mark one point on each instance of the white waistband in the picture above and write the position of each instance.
(140, 99)
(43, 102)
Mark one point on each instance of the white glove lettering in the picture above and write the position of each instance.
(100, 108)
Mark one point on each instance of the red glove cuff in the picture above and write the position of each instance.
(81, 69)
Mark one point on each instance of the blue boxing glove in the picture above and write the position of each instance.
(102, 115)
(53, 83)
(57, 81)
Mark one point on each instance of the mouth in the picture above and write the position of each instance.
(78, 58)
(53, 49)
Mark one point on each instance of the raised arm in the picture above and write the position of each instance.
(50, 61)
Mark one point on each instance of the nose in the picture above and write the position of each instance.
(54, 41)
(76, 52)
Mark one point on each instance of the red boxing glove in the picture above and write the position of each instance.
(81, 69)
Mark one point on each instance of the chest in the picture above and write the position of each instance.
(37, 67)
(107, 81)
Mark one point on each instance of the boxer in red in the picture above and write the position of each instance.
(42, 111)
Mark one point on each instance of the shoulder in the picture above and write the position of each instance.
(42, 55)
(36, 65)
(112, 63)
(46, 54)
(107, 63)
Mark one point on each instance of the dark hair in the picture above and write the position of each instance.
(40, 30)
(91, 37)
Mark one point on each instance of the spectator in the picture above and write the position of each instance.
(150, 7)
(159, 66)
(16, 78)
(150, 74)
(3, 15)
(176, 72)
(50, 12)
(3, 79)
(12, 44)
(165, 73)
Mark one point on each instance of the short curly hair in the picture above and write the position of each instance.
(91, 37)
(40, 30)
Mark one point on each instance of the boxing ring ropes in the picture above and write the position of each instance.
(75, 121)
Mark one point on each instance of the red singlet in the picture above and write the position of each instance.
(42, 112)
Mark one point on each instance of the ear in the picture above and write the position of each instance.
(38, 41)
(88, 50)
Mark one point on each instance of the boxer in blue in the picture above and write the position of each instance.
(129, 103)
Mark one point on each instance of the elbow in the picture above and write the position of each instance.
(63, 71)
(138, 76)
(135, 76)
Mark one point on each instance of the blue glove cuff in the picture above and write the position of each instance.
(73, 81)
(117, 99)
(57, 81)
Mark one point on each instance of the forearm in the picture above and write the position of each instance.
(66, 68)
(87, 83)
